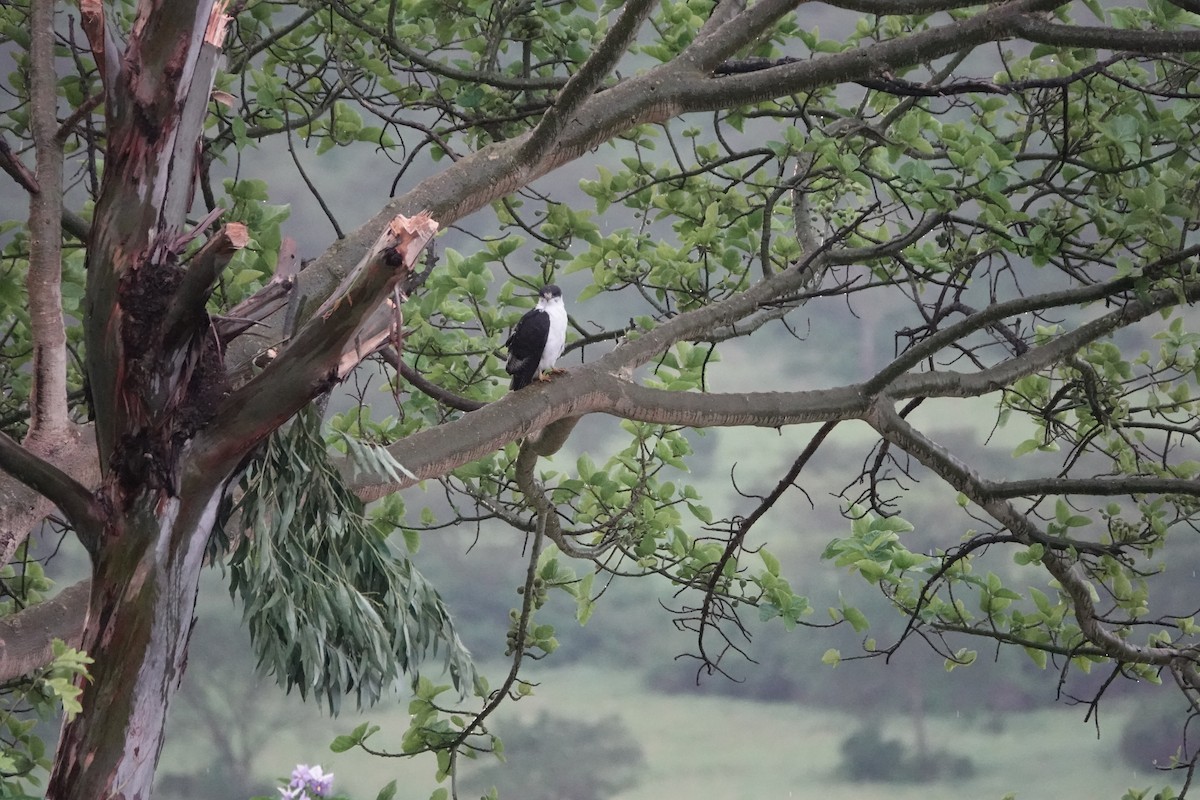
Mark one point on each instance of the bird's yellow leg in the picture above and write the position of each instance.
(546, 375)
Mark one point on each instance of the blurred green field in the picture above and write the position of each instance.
(718, 747)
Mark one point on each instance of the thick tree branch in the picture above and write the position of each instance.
(956, 384)
(72, 498)
(1041, 31)
(587, 80)
(187, 304)
(43, 282)
(996, 22)
(1095, 487)
(591, 389)
(27, 637)
(324, 351)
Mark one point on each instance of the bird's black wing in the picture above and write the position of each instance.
(525, 346)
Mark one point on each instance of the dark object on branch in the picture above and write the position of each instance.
(538, 338)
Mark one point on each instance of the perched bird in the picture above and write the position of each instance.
(538, 338)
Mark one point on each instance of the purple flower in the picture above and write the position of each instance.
(307, 782)
(318, 781)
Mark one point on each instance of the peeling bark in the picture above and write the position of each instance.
(157, 375)
(143, 596)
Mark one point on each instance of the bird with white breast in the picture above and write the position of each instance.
(538, 339)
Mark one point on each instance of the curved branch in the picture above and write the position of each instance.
(997, 22)
(699, 325)
(436, 67)
(1022, 305)
(426, 386)
(985, 381)
(547, 517)
(71, 497)
(23, 508)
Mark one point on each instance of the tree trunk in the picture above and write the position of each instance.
(143, 596)
(169, 431)
(156, 377)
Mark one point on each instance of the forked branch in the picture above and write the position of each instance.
(326, 348)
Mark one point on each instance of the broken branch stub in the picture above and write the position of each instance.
(412, 234)
(397, 249)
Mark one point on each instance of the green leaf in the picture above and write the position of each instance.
(1027, 446)
(856, 618)
(701, 513)
(342, 743)
(583, 598)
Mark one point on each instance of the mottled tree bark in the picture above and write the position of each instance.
(151, 392)
(170, 433)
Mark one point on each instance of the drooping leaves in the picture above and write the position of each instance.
(332, 607)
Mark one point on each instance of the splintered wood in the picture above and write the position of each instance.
(412, 234)
(218, 24)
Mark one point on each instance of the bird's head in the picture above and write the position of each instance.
(549, 294)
